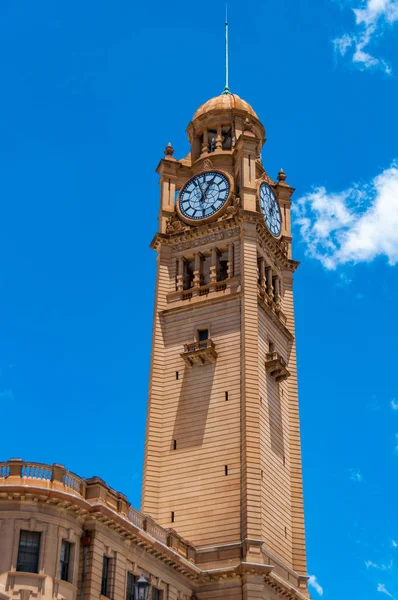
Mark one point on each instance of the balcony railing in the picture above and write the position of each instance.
(94, 491)
(199, 353)
(276, 366)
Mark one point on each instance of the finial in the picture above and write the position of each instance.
(169, 150)
(226, 89)
(281, 175)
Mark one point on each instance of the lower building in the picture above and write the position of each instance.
(67, 538)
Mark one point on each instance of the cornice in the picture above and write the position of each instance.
(197, 236)
(206, 301)
(103, 514)
(228, 226)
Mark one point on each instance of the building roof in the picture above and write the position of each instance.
(225, 102)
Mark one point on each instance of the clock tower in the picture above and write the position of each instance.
(222, 454)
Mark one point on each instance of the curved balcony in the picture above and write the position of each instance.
(16, 474)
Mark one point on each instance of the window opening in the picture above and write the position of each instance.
(223, 267)
(203, 335)
(172, 516)
(226, 133)
(105, 576)
(226, 469)
(189, 267)
(226, 395)
(177, 375)
(174, 444)
(212, 134)
(28, 551)
(131, 579)
(64, 561)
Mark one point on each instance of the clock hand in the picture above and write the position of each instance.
(210, 183)
(201, 190)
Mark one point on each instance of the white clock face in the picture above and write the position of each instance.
(270, 208)
(204, 195)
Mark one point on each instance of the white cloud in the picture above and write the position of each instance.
(396, 443)
(369, 564)
(355, 225)
(313, 582)
(394, 544)
(382, 588)
(356, 476)
(371, 19)
(394, 404)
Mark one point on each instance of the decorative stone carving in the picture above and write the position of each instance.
(232, 209)
(207, 165)
(247, 125)
(213, 237)
(174, 224)
(284, 245)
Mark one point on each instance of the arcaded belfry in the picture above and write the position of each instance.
(222, 509)
(222, 459)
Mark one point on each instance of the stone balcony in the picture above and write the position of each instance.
(199, 353)
(276, 366)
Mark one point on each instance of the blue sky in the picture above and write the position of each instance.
(91, 94)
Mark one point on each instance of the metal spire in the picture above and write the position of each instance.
(226, 89)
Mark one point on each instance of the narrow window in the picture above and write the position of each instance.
(212, 134)
(174, 444)
(226, 133)
(156, 594)
(262, 474)
(226, 395)
(64, 560)
(172, 516)
(284, 461)
(131, 579)
(226, 469)
(286, 532)
(203, 335)
(105, 576)
(271, 346)
(28, 551)
(177, 375)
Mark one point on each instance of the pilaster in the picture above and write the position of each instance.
(150, 488)
(250, 420)
(245, 160)
(297, 504)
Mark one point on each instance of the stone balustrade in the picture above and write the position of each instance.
(94, 490)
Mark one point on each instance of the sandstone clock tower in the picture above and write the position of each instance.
(222, 456)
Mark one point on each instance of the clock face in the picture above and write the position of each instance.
(270, 207)
(204, 195)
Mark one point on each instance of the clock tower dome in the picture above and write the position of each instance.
(222, 454)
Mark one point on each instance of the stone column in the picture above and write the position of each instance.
(205, 145)
(179, 275)
(198, 270)
(230, 265)
(219, 138)
(276, 289)
(214, 264)
(269, 284)
(262, 273)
